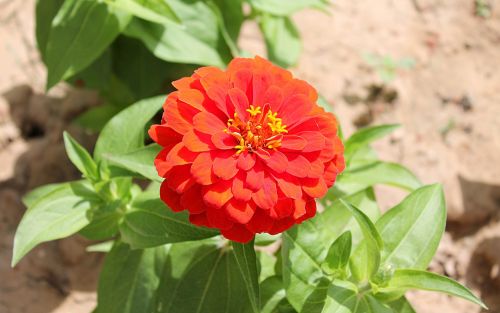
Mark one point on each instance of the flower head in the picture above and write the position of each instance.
(246, 150)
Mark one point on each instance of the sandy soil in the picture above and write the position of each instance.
(448, 104)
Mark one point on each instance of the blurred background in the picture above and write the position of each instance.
(432, 66)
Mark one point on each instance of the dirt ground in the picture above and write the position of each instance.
(448, 103)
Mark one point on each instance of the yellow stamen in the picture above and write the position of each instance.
(254, 110)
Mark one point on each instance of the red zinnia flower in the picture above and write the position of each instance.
(246, 150)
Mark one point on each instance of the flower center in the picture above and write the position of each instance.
(262, 130)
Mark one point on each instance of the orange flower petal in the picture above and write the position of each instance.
(237, 233)
(164, 135)
(315, 140)
(208, 123)
(197, 142)
(277, 161)
(255, 177)
(282, 209)
(246, 161)
(199, 219)
(260, 222)
(240, 211)
(223, 141)
(295, 108)
(274, 97)
(218, 218)
(224, 165)
(201, 169)
(192, 97)
(289, 185)
(315, 187)
(298, 165)
(180, 155)
(179, 178)
(240, 191)
(192, 201)
(171, 198)
(217, 194)
(293, 142)
(267, 196)
(240, 102)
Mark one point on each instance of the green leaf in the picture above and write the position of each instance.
(95, 118)
(272, 294)
(411, 231)
(129, 279)
(104, 221)
(140, 161)
(247, 263)
(339, 219)
(304, 249)
(80, 157)
(95, 76)
(338, 254)
(224, 28)
(365, 136)
(80, 32)
(104, 247)
(195, 42)
(374, 173)
(285, 8)
(37, 194)
(402, 306)
(232, 17)
(138, 69)
(265, 239)
(366, 259)
(156, 11)
(201, 277)
(151, 223)
(282, 39)
(343, 297)
(267, 265)
(405, 279)
(57, 214)
(45, 12)
(125, 132)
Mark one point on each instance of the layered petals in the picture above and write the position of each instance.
(246, 150)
